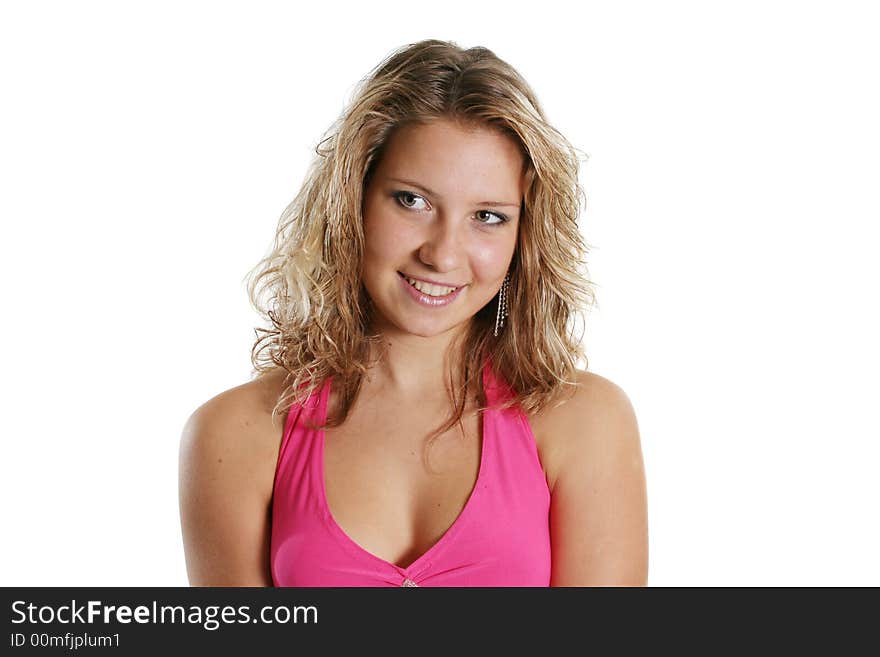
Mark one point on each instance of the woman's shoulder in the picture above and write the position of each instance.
(247, 405)
(593, 396)
(237, 425)
(591, 418)
(226, 470)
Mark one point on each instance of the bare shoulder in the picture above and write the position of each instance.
(228, 450)
(588, 419)
(236, 424)
(594, 394)
(243, 410)
(598, 508)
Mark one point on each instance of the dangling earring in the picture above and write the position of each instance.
(502, 304)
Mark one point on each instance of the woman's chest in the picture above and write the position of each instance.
(394, 493)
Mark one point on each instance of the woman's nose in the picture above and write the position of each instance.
(442, 248)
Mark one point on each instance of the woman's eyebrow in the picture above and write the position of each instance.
(427, 191)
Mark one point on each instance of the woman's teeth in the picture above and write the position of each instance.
(430, 289)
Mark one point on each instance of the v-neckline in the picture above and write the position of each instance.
(418, 565)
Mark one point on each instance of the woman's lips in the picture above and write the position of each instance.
(426, 299)
(428, 280)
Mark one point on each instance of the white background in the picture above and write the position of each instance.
(147, 150)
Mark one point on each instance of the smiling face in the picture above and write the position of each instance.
(441, 216)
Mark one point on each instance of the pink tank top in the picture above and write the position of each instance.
(500, 538)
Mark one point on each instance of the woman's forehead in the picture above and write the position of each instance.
(446, 157)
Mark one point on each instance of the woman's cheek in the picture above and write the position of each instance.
(378, 228)
(492, 259)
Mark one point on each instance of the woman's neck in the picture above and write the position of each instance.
(416, 367)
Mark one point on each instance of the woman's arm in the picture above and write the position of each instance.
(227, 459)
(598, 512)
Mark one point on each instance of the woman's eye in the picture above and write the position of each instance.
(415, 202)
(410, 200)
(486, 217)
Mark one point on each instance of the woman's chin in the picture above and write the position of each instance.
(423, 329)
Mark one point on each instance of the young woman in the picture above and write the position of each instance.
(418, 418)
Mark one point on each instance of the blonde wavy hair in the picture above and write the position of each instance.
(309, 290)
